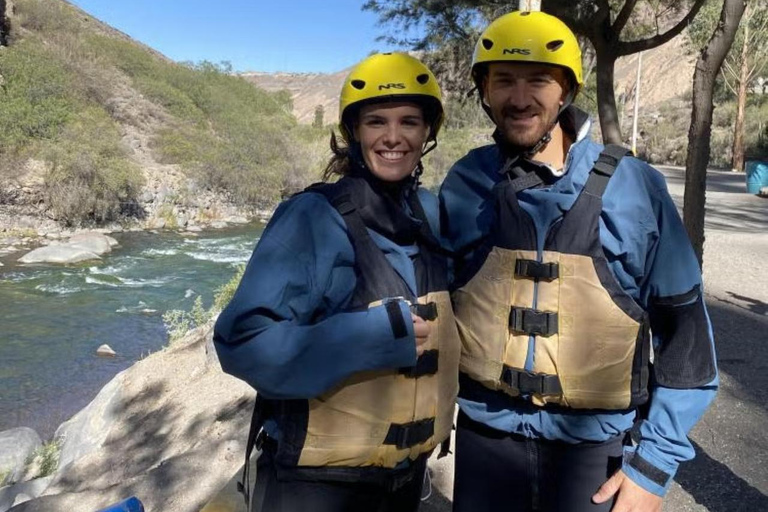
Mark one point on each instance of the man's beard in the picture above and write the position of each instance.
(530, 137)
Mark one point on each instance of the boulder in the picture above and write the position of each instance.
(97, 243)
(218, 224)
(16, 445)
(58, 254)
(13, 495)
(87, 430)
(105, 351)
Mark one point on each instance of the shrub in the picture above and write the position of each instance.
(90, 179)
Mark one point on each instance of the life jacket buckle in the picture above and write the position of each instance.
(531, 321)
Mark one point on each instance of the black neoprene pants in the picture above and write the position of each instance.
(501, 472)
(270, 494)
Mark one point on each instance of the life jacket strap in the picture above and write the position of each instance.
(529, 383)
(255, 440)
(426, 364)
(531, 321)
(426, 311)
(410, 434)
(537, 270)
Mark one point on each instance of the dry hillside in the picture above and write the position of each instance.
(308, 90)
(667, 72)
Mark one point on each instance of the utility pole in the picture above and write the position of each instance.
(529, 5)
(637, 104)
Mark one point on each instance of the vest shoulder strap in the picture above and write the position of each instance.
(604, 167)
(377, 276)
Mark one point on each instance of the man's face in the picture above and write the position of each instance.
(524, 99)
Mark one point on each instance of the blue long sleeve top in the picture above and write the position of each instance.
(286, 331)
(650, 255)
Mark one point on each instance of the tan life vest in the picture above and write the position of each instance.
(381, 418)
(591, 339)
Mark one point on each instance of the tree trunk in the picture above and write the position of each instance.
(699, 134)
(5, 26)
(606, 99)
(737, 160)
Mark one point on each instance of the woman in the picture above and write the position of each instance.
(342, 322)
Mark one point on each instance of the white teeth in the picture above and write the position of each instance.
(392, 155)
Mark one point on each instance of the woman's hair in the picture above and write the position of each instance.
(340, 163)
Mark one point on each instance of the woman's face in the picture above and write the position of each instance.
(392, 136)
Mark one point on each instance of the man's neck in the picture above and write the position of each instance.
(553, 154)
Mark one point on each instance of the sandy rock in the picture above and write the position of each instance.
(172, 420)
(237, 219)
(16, 494)
(218, 224)
(105, 351)
(96, 243)
(194, 229)
(16, 445)
(87, 430)
(58, 254)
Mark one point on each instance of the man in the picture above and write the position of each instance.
(568, 255)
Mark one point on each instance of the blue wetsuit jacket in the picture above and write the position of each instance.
(650, 255)
(286, 331)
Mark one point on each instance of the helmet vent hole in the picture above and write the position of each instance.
(487, 44)
(553, 46)
(358, 84)
(422, 78)
(387, 53)
(525, 13)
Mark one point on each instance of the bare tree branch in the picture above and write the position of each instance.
(623, 17)
(630, 47)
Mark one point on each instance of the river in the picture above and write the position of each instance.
(55, 317)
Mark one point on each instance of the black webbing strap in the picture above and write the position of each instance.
(537, 270)
(426, 364)
(530, 180)
(529, 383)
(604, 168)
(396, 320)
(425, 232)
(407, 435)
(255, 439)
(426, 311)
(531, 321)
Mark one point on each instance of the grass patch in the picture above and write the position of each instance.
(45, 460)
(179, 322)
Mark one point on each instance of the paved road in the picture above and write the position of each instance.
(730, 472)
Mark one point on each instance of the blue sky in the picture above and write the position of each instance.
(254, 35)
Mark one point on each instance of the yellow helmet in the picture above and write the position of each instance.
(390, 77)
(528, 36)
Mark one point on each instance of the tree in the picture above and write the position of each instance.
(317, 122)
(615, 28)
(707, 68)
(744, 63)
(4, 25)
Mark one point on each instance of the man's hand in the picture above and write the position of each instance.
(421, 330)
(630, 497)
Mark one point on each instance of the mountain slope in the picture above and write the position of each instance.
(95, 127)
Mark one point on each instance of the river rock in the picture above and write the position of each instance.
(218, 224)
(105, 351)
(194, 229)
(13, 495)
(87, 430)
(97, 243)
(237, 219)
(58, 254)
(16, 445)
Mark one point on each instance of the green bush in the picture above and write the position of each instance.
(224, 294)
(90, 178)
(35, 99)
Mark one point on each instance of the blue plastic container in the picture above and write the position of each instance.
(757, 175)
(132, 504)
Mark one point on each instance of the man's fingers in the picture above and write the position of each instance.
(609, 488)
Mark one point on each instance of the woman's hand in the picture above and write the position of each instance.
(421, 331)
